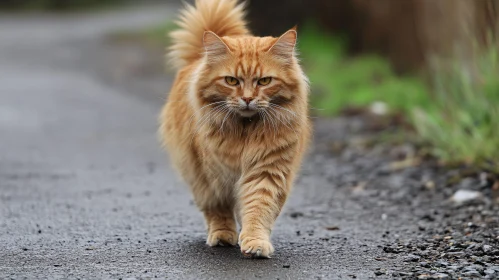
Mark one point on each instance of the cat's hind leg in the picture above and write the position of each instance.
(222, 228)
(213, 196)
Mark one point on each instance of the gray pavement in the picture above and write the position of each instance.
(86, 192)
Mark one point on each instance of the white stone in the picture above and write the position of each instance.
(379, 108)
(465, 195)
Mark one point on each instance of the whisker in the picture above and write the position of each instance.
(280, 107)
(209, 115)
(274, 125)
(210, 104)
(278, 117)
(261, 116)
(229, 112)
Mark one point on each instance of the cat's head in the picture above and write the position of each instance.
(247, 76)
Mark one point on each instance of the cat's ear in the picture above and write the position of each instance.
(285, 46)
(214, 45)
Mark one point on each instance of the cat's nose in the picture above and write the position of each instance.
(247, 99)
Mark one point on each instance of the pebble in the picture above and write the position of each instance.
(441, 263)
(472, 273)
(388, 249)
(379, 108)
(473, 267)
(486, 248)
(411, 258)
(490, 272)
(295, 215)
(402, 274)
(442, 276)
(462, 196)
(424, 264)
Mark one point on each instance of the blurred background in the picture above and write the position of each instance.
(403, 174)
(433, 63)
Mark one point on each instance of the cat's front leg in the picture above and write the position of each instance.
(260, 202)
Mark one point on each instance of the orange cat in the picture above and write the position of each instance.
(236, 121)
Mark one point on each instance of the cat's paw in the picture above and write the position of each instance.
(254, 247)
(222, 238)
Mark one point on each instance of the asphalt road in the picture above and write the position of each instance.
(86, 191)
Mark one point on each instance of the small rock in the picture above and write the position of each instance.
(401, 274)
(441, 276)
(429, 185)
(424, 264)
(422, 246)
(379, 108)
(472, 225)
(286, 266)
(486, 248)
(473, 267)
(388, 249)
(428, 217)
(489, 272)
(411, 258)
(441, 263)
(295, 215)
(472, 273)
(462, 196)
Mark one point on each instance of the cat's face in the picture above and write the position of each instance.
(248, 76)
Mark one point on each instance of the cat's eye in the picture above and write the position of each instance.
(231, 81)
(264, 81)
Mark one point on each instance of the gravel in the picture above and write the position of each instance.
(447, 240)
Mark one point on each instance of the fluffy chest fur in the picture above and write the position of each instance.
(248, 142)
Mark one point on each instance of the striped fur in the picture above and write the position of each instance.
(238, 166)
(223, 17)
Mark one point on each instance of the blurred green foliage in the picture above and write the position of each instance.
(55, 4)
(339, 80)
(457, 114)
(463, 122)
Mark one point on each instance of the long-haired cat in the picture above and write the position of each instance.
(236, 121)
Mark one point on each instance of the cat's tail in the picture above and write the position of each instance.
(223, 17)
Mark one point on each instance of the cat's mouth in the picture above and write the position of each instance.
(247, 112)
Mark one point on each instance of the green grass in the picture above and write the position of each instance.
(339, 81)
(457, 115)
(462, 125)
